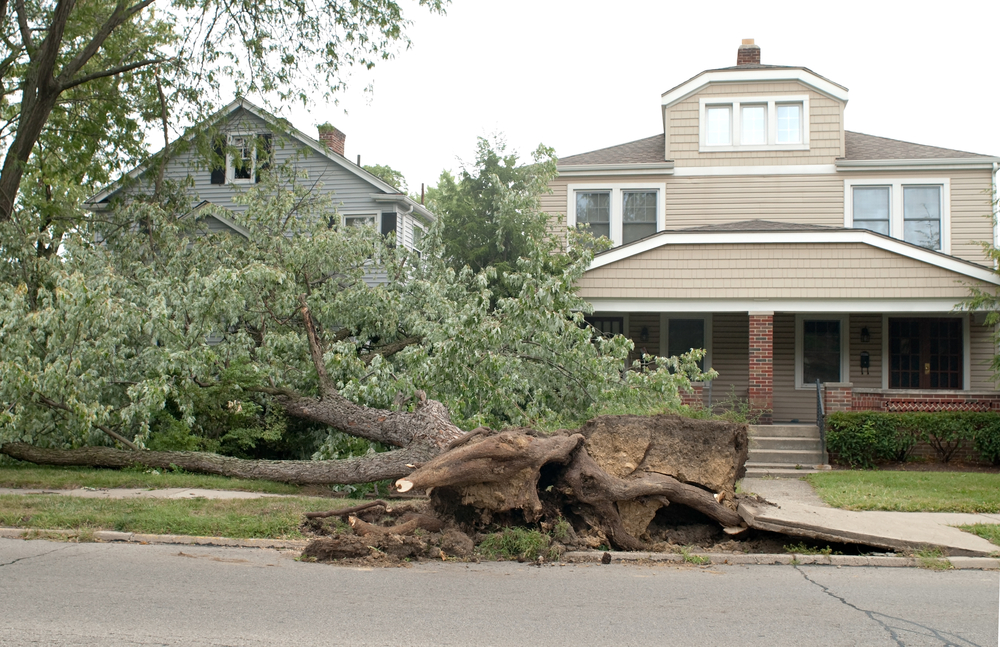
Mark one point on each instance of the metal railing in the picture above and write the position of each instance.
(821, 421)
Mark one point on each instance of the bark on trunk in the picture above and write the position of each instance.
(364, 469)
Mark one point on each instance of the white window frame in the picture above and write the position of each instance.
(736, 118)
(896, 185)
(231, 168)
(706, 318)
(344, 215)
(845, 364)
(617, 189)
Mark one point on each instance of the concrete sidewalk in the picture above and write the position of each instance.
(140, 493)
(798, 511)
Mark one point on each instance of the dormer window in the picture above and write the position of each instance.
(753, 123)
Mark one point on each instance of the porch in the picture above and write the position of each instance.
(769, 362)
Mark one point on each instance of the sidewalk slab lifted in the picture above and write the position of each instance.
(908, 531)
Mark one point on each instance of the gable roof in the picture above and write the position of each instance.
(282, 126)
(754, 72)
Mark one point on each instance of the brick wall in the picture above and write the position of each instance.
(761, 382)
(837, 396)
(694, 398)
(931, 401)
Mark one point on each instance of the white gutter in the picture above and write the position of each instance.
(653, 168)
(942, 164)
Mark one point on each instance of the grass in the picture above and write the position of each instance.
(271, 518)
(514, 543)
(909, 491)
(68, 478)
(988, 531)
(802, 549)
(698, 560)
(932, 560)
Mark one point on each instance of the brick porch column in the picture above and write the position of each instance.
(761, 389)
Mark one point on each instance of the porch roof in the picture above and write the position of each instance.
(762, 266)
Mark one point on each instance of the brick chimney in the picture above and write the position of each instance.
(333, 138)
(748, 54)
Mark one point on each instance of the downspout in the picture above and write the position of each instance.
(995, 204)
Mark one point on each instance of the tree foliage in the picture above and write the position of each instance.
(490, 215)
(163, 328)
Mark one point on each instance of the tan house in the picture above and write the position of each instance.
(795, 251)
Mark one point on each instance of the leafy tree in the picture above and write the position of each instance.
(490, 216)
(70, 69)
(161, 329)
(388, 175)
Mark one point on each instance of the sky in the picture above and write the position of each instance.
(581, 75)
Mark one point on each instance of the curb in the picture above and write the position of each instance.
(138, 538)
(573, 557)
(744, 559)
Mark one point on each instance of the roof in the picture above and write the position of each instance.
(757, 66)
(641, 151)
(758, 225)
(283, 126)
(870, 147)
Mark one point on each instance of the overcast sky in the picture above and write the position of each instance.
(579, 75)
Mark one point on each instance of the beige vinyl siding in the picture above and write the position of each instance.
(771, 271)
(825, 127)
(730, 356)
(638, 321)
(807, 199)
(872, 379)
(982, 350)
(789, 403)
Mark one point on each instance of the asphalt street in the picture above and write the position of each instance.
(117, 594)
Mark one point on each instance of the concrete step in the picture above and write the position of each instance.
(788, 457)
(793, 431)
(785, 442)
(781, 470)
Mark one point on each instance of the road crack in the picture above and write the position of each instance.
(947, 640)
(21, 559)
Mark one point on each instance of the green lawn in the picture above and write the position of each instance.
(909, 491)
(68, 478)
(274, 518)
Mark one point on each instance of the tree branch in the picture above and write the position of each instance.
(390, 349)
(52, 404)
(315, 348)
(22, 24)
(121, 69)
(117, 17)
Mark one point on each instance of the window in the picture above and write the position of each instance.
(871, 208)
(914, 211)
(925, 353)
(418, 240)
(719, 125)
(594, 210)
(359, 221)
(789, 123)
(683, 335)
(820, 349)
(606, 326)
(752, 125)
(624, 213)
(763, 123)
(638, 215)
(240, 159)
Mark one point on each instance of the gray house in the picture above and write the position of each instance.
(256, 140)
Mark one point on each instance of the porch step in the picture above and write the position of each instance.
(781, 470)
(785, 442)
(791, 430)
(786, 451)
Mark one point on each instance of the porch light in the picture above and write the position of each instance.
(865, 335)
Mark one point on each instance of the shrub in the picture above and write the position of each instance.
(864, 438)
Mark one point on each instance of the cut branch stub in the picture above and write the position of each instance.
(497, 473)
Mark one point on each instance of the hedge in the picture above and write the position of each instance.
(864, 438)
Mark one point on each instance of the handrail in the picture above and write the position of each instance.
(821, 421)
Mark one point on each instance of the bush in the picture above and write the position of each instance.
(865, 438)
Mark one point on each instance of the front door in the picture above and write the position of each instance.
(925, 353)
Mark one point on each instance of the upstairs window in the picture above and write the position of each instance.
(763, 123)
(914, 211)
(719, 125)
(241, 158)
(623, 213)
